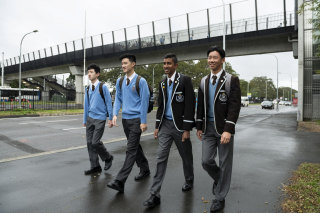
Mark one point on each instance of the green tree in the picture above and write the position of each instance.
(285, 93)
(194, 69)
(243, 87)
(15, 84)
(230, 70)
(110, 75)
(71, 81)
(259, 86)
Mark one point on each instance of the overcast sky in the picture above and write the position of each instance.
(60, 21)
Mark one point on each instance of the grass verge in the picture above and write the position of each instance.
(302, 194)
(39, 112)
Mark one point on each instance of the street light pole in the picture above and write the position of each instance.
(2, 74)
(266, 89)
(291, 84)
(153, 77)
(20, 66)
(291, 89)
(277, 82)
(224, 30)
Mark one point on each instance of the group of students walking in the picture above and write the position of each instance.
(218, 107)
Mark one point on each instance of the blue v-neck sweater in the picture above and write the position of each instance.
(94, 106)
(133, 105)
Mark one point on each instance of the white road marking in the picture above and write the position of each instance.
(37, 122)
(63, 150)
(73, 128)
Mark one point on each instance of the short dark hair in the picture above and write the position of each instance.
(172, 56)
(131, 57)
(221, 51)
(95, 67)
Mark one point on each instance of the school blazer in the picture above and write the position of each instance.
(226, 107)
(182, 103)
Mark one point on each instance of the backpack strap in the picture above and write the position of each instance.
(137, 84)
(88, 94)
(121, 81)
(101, 91)
(203, 81)
(228, 83)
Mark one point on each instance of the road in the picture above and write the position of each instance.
(31, 136)
(42, 161)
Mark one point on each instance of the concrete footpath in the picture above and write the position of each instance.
(267, 149)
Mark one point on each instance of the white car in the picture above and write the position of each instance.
(244, 101)
(287, 103)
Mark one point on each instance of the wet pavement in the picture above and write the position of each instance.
(267, 149)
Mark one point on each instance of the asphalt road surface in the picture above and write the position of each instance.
(42, 160)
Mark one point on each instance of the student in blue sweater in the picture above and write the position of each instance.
(134, 120)
(94, 119)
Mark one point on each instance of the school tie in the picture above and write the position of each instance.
(170, 82)
(93, 87)
(128, 81)
(214, 79)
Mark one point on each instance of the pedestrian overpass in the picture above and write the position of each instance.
(188, 36)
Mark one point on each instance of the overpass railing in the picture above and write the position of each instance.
(204, 24)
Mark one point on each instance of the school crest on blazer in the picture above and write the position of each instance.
(182, 102)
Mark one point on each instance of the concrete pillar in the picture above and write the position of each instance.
(78, 72)
(300, 63)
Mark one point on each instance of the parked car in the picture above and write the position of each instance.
(281, 102)
(287, 103)
(267, 105)
(244, 101)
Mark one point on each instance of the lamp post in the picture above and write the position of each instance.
(266, 89)
(277, 81)
(153, 77)
(224, 30)
(291, 84)
(2, 74)
(20, 66)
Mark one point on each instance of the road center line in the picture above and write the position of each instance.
(37, 122)
(74, 128)
(64, 150)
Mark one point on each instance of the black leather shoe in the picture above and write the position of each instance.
(187, 187)
(217, 205)
(152, 202)
(142, 175)
(116, 185)
(93, 170)
(108, 163)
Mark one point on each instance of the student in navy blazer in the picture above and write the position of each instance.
(175, 120)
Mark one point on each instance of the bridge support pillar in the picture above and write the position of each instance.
(78, 72)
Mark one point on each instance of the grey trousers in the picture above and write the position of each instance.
(94, 132)
(220, 174)
(134, 151)
(166, 135)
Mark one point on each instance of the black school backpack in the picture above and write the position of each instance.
(151, 99)
(101, 93)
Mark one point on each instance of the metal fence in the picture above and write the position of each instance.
(34, 99)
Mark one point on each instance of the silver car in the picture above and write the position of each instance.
(267, 105)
